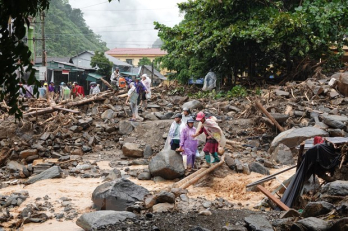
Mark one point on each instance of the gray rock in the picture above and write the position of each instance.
(336, 132)
(148, 151)
(165, 197)
(85, 148)
(280, 118)
(198, 228)
(246, 169)
(150, 201)
(230, 162)
(53, 172)
(311, 224)
(132, 150)
(314, 209)
(167, 116)
(335, 121)
(144, 176)
(85, 122)
(151, 116)
(336, 188)
(258, 223)
(118, 195)
(259, 168)
(113, 175)
(179, 191)
(167, 164)
(125, 127)
(295, 136)
(14, 166)
(178, 99)
(340, 225)
(194, 104)
(100, 219)
(108, 114)
(45, 136)
(283, 155)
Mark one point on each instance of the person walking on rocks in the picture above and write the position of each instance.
(214, 137)
(141, 90)
(174, 133)
(146, 81)
(188, 145)
(133, 99)
(64, 91)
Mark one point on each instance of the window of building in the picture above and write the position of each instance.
(129, 61)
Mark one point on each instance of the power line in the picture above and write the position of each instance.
(93, 5)
(133, 9)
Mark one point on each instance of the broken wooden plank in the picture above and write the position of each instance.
(258, 104)
(273, 198)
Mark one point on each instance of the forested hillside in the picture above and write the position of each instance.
(66, 32)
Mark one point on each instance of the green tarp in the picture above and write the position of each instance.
(92, 77)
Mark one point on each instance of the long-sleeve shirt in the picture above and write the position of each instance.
(188, 143)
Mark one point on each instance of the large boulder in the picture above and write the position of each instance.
(336, 188)
(295, 136)
(167, 164)
(342, 83)
(52, 172)
(118, 195)
(314, 209)
(132, 150)
(102, 219)
(194, 104)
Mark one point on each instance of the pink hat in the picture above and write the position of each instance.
(200, 116)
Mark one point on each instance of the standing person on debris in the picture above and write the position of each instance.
(43, 91)
(141, 90)
(185, 115)
(214, 137)
(147, 83)
(77, 90)
(51, 89)
(133, 100)
(94, 88)
(188, 145)
(174, 133)
(115, 78)
(64, 91)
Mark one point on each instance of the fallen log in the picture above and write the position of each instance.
(107, 84)
(258, 105)
(201, 174)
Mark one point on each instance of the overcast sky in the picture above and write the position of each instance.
(128, 23)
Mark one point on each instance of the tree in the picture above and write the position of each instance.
(144, 61)
(100, 61)
(260, 37)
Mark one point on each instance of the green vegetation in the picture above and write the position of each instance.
(66, 32)
(289, 39)
(144, 61)
(102, 62)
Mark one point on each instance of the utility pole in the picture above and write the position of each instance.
(43, 38)
(152, 72)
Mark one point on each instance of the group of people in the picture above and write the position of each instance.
(64, 91)
(183, 137)
(138, 94)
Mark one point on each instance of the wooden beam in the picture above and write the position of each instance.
(259, 105)
(273, 198)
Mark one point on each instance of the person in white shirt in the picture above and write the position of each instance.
(146, 81)
(132, 99)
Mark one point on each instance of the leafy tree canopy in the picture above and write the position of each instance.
(144, 61)
(99, 60)
(261, 37)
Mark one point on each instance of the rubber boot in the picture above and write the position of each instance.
(216, 158)
(208, 161)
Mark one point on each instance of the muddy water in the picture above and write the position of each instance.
(231, 188)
